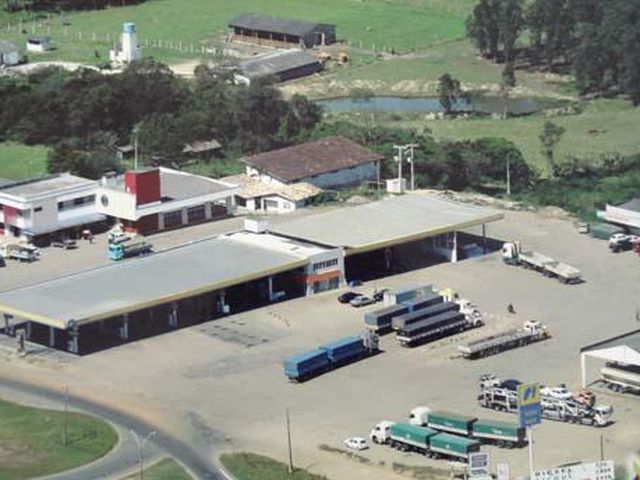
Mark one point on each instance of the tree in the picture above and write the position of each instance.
(89, 160)
(550, 137)
(449, 92)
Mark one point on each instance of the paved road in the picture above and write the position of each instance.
(126, 456)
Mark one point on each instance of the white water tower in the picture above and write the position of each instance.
(130, 50)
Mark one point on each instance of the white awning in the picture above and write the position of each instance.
(623, 349)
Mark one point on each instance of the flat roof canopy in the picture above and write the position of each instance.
(387, 222)
(146, 282)
(624, 349)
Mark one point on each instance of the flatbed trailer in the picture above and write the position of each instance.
(531, 332)
(512, 254)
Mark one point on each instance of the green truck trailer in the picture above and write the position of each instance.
(450, 422)
(454, 446)
(505, 434)
(410, 437)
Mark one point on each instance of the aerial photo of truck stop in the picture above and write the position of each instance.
(335, 240)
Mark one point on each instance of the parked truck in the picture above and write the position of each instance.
(438, 326)
(332, 355)
(512, 254)
(402, 321)
(380, 321)
(429, 442)
(133, 248)
(620, 377)
(497, 396)
(502, 434)
(531, 331)
(20, 252)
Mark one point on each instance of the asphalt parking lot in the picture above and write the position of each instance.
(228, 372)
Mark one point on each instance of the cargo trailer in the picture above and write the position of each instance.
(344, 350)
(306, 365)
(409, 437)
(402, 321)
(505, 434)
(379, 321)
(450, 422)
(431, 328)
(452, 446)
(532, 331)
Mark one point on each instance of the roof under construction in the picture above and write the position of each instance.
(387, 222)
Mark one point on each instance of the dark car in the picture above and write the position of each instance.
(511, 384)
(378, 295)
(346, 297)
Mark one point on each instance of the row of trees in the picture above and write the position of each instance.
(598, 39)
(58, 5)
(85, 114)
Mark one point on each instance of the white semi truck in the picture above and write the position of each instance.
(495, 395)
(531, 331)
(512, 254)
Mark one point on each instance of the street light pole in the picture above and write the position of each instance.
(65, 390)
(411, 146)
(290, 466)
(141, 445)
(398, 158)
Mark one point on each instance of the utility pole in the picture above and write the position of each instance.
(411, 147)
(290, 466)
(398, 158)
(141, 444)
(65, 414)
(602, 447)
(509, 175)
(135, 152)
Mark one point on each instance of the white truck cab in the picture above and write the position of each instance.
(419, 416)
(381, 432)
(534, 327)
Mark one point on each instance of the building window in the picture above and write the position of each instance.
(325, 264)
(270, 204)
(37, 209)
(76, 202)
(196, 214)
(173, 219)
(324, 285)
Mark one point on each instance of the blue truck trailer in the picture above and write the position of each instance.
(331, 355)
(306, 365)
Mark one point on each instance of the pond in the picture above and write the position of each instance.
(480, 104)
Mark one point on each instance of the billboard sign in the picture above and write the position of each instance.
(529, 408)
(479, 463)
(604, 470)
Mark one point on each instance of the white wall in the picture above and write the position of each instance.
(119, 204)
(12, 58)
(622, 216)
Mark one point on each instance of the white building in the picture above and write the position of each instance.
(256, 196)
(39, 44)
(9, 54)
(625, 214)
(332, 162)
(157, 199)
(42, 206)
(128, 50)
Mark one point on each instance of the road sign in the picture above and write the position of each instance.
(503, 471)
(529, 409)
(604, 470)
(479, 463)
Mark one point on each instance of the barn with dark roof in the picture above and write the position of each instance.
(280, 32)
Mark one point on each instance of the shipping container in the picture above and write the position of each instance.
(453, 446)
(402, 321)
(406, 294)
(451, 422)
(344, 350)
(307, 364)
(498, 432)
(431, 323)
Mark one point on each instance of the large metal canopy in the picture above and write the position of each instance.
(387, 222)
(146, 282)
(621, 349)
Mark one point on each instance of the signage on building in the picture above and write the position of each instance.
(479, 464)
(604, 470)
(529, 409)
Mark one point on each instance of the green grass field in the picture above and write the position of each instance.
(401, 24)
(31, 441)
(165, 469)
(18, 161)
(249, 466)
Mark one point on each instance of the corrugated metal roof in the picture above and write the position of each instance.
(264, 23)
(386, 222)
(633, 204)
(274, 63)
(143, 282)
(631, 340)
(43, 185)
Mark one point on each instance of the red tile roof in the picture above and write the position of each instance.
(313, 158)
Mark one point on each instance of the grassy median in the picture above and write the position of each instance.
(31, 441)
(249, 466)
(165, 469)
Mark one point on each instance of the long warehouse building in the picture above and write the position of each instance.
(203, 280)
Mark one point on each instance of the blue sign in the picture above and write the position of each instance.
(529, 409)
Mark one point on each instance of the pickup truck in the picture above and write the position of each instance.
(64, 242)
